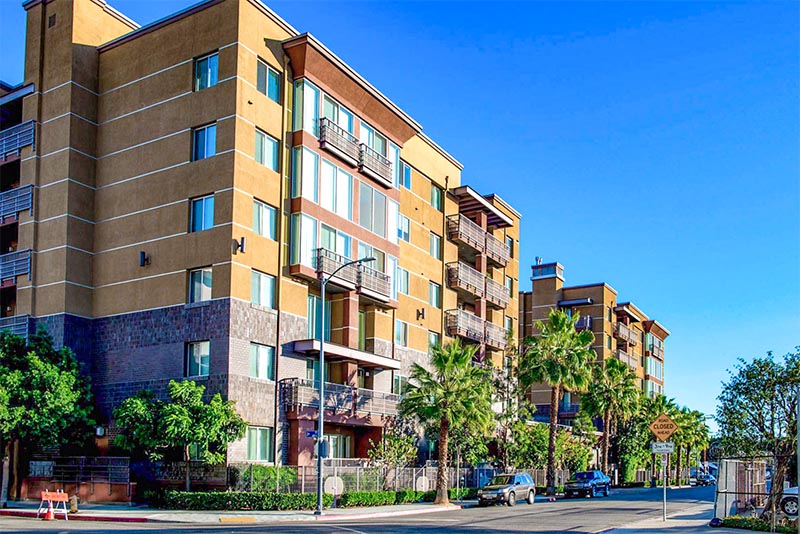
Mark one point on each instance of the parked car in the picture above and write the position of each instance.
(507, 489)
(706, 480)
(587, 483)
(789, 501)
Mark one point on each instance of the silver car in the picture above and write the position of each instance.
(789, 501)
(507, 489)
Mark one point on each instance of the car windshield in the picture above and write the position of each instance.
(584, 476)
(502, 480)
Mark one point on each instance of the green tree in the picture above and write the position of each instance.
(561, 357)
(44, 399)
(527, 446)
(757, 412)
(613, 395)
(396, 449)
(515, 406)
(155, 427)
(454, 393)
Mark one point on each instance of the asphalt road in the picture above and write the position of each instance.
(580, 516)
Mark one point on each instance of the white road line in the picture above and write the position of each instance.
(349, 529)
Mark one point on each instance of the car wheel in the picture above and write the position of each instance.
(789, 505)
(482, 503)
(512, 499)
(593, 492)
(606, 491)
(531, 497)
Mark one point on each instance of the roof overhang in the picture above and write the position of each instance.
(656, 328)
(339, 352)
(470, 201)
(627, 310)
(15, 93)
(310, 58)
(575, 302)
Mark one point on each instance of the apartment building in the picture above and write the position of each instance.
(621, 330)
(172, 195)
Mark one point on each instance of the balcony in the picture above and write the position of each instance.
(496, 336)
(626, 333)
(375, 165)
(465, 232)
(465, 324)
(338, 141)
(497, 251)
(583, 323)
(564, 410)
(14, 264)
(628, 359)
(365, 280)
(13, 139)
(13, 201)
(16, 324)
(339, 398)
(658, 352)
(466, 280)
(496, 294)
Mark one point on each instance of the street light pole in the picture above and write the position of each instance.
(321, 411)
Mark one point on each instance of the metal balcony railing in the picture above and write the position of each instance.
(461, 228)
(13, 139)
(16, 200)
(656, 351)
(375, 164)
(497, 251)
(496, 293)
(301, 392)
(496, 336)
(626, 333)
(338, 141)
(359, 277)
(583, 323)
(374, 281)
(462, 276)
(628, 359)
(16, 324)
(465, 324)
(14, 264)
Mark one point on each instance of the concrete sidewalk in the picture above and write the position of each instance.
(144, 514)
(690, 521)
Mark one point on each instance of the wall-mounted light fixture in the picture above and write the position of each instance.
(239, 246)
(144, 259)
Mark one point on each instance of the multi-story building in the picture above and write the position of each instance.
(172, 193)
(621, 331)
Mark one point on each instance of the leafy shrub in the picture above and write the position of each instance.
(461, 493)
(367, 498)
(754, 523)
(240, 500)
(263, 477)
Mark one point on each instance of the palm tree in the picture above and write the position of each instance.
(562, 358)
(653, 408)
(453, 393)
(613, 394)
(695, 434)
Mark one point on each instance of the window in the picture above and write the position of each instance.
(205, 142)
(655, 368)
(402, 281)
(337, 114)
(510, 245)
(509, 324)
(400, 384)
(339, 445)
(304, 240)
(435, 295)
(437, 197)
(262, 361)
(262, 289)
(304, 176)
(393, 220)
(314, 314)
(362, 330)
(436, 246)
(336, 190)
(205, 72)
(312, 368)
(372, 209)
(266, 150)
(336, 241)
(401, 333)
(404, 229)
(433, 340)
(202, 215)
(260, 440)
(268, 81)
(306, 107)
(373, 139)
(200, 285)
(265, 220)
(367, 251)
(610, 318)
(510, 286)
(608, 342)
(405, 175)
(197, 358)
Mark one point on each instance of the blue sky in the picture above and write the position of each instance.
(653, 146)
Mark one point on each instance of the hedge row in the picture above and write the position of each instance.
(756, 524)
(241, 500)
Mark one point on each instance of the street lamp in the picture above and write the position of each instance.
(321, 415)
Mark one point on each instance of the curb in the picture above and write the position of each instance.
(633, 524)
(375, 515)
(74, 517)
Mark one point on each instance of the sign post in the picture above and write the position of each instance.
(663, 427)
